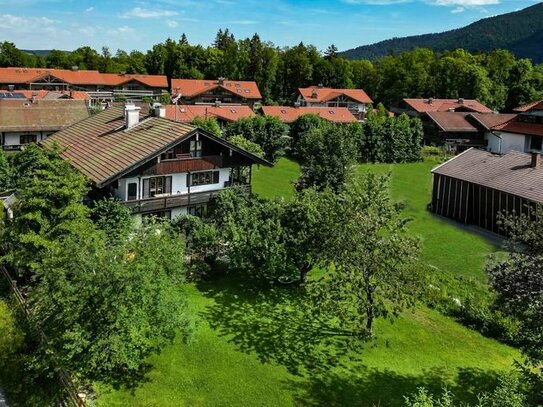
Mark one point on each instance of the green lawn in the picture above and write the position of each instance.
(252, 348)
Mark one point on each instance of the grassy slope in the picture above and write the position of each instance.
(243, 351)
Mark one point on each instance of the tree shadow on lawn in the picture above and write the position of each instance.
(271, 323)
(371, 387)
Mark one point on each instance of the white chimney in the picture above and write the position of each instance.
(131, 115)
(159, 110)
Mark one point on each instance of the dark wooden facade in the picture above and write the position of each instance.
(474, 204)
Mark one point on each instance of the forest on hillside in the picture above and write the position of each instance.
(498, 78)
(520, 32)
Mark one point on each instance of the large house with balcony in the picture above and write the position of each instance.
(356, 100)
(209, 92)
(99, 86)
(154, 165)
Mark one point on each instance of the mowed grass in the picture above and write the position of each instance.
(246, 352)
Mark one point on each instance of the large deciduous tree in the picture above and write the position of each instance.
(372, 258)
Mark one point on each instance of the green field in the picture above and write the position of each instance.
(247, 351)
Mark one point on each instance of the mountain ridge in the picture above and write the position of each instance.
(520, 32)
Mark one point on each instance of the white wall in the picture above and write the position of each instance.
(14, 138)
(179, 184)
(508, 142)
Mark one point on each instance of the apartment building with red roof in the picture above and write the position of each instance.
(289, 114)
(224, 114)
(99, 86)
(418, 107)
(356, 100)
(196, 91)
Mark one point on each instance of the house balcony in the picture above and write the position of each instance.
(170, 201)
(188, 164)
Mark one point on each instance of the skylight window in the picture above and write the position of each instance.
(233, 111)
(331, 112)
(247, 91)
(283, 111)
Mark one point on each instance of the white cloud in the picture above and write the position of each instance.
(138, 12)
(457, 10)
(89, 10)
(10, 21)
(377, 2)
(172, 23)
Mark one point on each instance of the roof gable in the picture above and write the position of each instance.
(445, 105)
(317, 94)
(288, 114)
(194, 87)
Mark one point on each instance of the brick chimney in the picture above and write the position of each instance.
(536, 159)
(131, 115)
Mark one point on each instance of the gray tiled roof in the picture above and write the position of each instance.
(511, 173)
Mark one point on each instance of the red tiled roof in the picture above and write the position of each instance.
(153, 81)
(537, 105)
(187, 113)
(490, 120)
(514, 126)
(511, 173)
(194, 87)
(43, 115)
(77, 77)
(318, 94)
(452, 121)
(444, 105)
(288, 114)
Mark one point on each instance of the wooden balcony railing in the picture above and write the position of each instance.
(176, 201)
(177, 165)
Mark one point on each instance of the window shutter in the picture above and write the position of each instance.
(188, 180)
(146, 188)
(168, 186)
(215, 177)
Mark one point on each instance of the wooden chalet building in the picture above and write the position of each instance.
(356, 100)
(154, 165)
(460, 130)
(288, 114)
(209, 92)
(476, 186)
(24, 121)
(418, 107)
(224, 114)
(99, 86)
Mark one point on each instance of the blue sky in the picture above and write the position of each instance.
(128, 24)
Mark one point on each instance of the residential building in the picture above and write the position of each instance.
(288, 114)
(418, 107)
(224, 114)
(476, 186)
(24, 121)
(99, 86)
(152, 164)
(529, 106)
(209, 92)
(460, 130)
(356, 100)
(523, 132)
